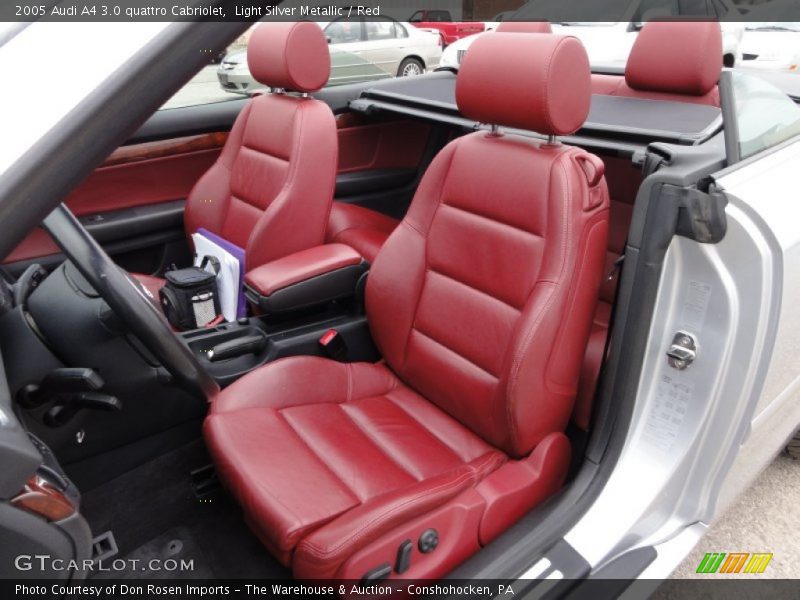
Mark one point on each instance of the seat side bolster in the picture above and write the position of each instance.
(297, 216)
(322, 552)
(519, 486)
(209, 199)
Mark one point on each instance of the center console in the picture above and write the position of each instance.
(300, 304)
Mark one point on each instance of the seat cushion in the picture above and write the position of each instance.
(362, 229)
(305, 441)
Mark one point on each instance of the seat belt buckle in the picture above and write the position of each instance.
(214, 322)
(333, 345)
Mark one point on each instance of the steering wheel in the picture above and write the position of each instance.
(129, 303)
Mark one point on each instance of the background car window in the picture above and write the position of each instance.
(559, 10)
(652, 9)
(380, 30)
(720, 10)
(416, 17)
(695, 8)
(343, 32)
(764, 115)
(439, 16)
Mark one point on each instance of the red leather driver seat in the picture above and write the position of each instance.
(481, 303)
(270, 191)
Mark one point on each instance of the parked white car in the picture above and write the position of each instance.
(609, 44)
(774, 46)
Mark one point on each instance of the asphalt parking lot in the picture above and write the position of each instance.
(764, 519)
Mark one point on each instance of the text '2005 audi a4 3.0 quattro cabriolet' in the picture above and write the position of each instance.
(525, 322)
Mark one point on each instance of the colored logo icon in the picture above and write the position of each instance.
(734, 562)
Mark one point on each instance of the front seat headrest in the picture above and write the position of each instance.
(677, 57)
(524, 27)
(539, 82)
(291, 56)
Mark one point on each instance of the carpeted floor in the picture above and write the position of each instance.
(154, 513)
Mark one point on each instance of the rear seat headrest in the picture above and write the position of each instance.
(678, 57)
(524, 27)
(539, 82)
(292, 56)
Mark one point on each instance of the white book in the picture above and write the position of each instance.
(228, 284)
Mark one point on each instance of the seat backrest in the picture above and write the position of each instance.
(481, 300)
(271, 189)
(670, 60)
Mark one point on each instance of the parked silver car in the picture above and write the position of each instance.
(360, 51)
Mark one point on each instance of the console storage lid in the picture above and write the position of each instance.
(306, 278)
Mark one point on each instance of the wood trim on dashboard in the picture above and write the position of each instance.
(149, 150)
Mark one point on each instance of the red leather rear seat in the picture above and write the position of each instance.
(675, 61)
(360, 228)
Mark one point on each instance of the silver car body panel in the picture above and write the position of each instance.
(698, 437)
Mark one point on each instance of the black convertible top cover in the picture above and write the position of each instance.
(432, 96)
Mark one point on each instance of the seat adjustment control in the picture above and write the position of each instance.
(403, 561)
(428, 541)
(377, 574)
(60, 382)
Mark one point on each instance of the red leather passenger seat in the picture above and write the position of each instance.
(670, 60)
(270, 191)
(481, 303)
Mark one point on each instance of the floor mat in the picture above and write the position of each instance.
(154, 514)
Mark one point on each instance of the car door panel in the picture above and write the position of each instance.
(141, 239)
(133, 202)
(154, 175)
(147, 173)
(376, 158)
(380, 50)
(130, 201)
(367, 145)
